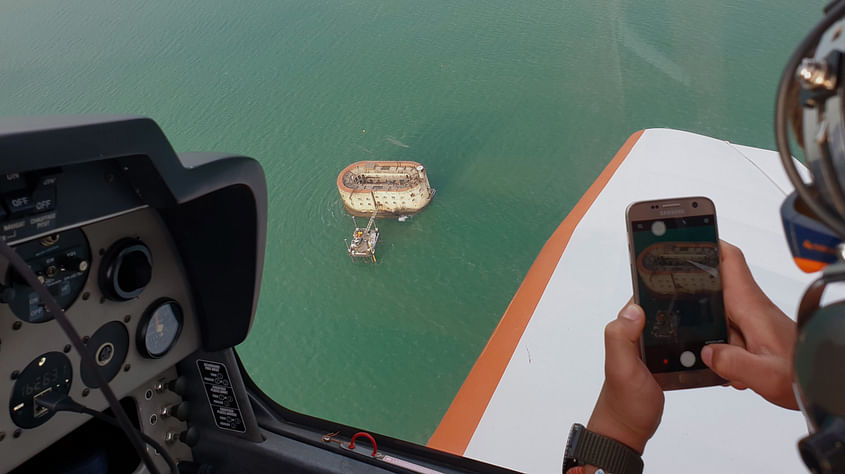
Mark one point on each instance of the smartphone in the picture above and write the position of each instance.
(675, 269)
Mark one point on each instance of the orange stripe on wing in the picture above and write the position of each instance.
(462, 418)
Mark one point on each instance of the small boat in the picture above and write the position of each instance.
(395, 188)
(364, 240)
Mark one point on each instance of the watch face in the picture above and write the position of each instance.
(587, 448)
(569, 453)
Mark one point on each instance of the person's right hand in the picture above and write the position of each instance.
(630, 403)
(761, 338)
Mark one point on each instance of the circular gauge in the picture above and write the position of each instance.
(47, 373)
(61, 262)
(126, 269)
(109, 344)
(159, 328)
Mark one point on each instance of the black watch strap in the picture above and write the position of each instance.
(585, 447)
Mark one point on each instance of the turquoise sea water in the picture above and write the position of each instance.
(514, 107)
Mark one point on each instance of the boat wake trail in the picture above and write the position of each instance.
(396, 142)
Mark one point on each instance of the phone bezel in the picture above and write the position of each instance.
(679, 207)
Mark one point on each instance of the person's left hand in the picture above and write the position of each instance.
(761, 337)
(630, 404)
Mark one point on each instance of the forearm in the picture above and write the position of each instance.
(605, 421)
(629, 406)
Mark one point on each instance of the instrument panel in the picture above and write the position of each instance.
(123, 288)
(156, 258)
(127, 236)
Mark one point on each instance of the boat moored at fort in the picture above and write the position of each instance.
(395, 188)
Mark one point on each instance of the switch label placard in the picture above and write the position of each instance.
(221, 396)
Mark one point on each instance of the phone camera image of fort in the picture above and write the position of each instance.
(680, 268)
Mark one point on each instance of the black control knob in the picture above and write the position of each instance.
(179, 386)
(191, 436)
(126, 269)
(180, 411)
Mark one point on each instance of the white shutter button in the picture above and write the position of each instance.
(687, 359)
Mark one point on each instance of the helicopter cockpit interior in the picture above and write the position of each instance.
(155, 260)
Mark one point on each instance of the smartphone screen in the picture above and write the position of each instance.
(675, 260)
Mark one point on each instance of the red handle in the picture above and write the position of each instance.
(365, 435)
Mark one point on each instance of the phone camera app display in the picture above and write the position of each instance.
(680, 289)
(658, 228)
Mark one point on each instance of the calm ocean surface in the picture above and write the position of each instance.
(514, 107)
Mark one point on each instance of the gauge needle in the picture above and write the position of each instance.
(159, 326)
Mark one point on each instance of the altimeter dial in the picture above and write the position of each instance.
(159, 328)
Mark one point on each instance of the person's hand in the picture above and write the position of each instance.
(630, 404)
(761, 338)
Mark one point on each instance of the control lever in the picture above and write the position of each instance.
(191, 437)
(179, 411)
(179, 386)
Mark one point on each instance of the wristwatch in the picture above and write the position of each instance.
(585, 447)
